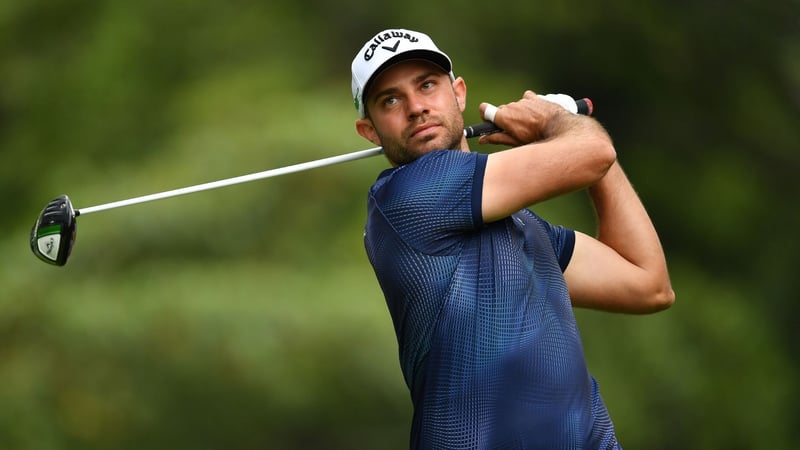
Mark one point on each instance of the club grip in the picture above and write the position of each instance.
(585, 107)
(481, 129)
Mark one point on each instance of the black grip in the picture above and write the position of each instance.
(585, 106)
(480, 129)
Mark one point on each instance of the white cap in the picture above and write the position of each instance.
(390, 47)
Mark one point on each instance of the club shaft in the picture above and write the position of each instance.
(584, 106)
(236, 180)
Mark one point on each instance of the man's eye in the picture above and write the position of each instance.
(428, 84)
(389, 101)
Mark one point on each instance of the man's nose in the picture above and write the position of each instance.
(417, 106)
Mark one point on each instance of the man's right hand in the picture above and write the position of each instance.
(524, 121)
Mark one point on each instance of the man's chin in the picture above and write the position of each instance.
(432, 146)
(417, 149)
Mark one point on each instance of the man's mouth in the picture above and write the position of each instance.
(424, 130)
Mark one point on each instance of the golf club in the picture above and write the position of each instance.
(53, 234)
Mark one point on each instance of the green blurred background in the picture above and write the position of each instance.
(249, 318)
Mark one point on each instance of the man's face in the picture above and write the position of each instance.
(414, 108)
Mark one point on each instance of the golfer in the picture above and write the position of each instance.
(480, 288)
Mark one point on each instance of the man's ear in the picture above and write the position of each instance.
(460, 89)
(365, 128)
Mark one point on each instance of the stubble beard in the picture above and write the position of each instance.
(400, 152)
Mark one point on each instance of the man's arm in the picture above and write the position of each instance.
(624, 268)
(555, 152)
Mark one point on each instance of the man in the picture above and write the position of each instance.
(479, 288)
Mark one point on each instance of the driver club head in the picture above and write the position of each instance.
(53, 234)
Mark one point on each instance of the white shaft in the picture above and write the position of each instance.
(236, 180)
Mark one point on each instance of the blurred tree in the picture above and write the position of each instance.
(249, 317)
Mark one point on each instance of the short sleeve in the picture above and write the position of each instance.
(433, 200)
(561, 238)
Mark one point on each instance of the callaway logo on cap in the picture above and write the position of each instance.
(390, 47)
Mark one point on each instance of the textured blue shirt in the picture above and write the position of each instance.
(488, 342)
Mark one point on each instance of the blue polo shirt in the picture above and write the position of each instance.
(488, 343)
